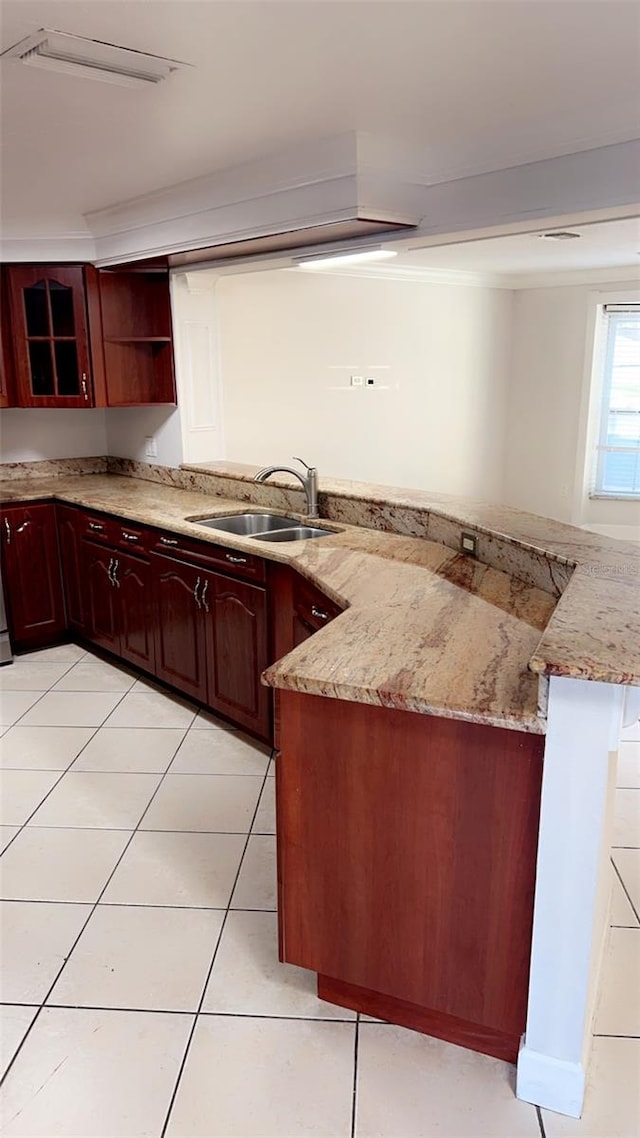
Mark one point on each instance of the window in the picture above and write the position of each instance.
(618, 450)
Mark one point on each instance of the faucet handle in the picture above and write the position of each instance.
(301, 460)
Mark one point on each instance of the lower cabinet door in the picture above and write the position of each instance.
(101, 601)
(70, 528)
(180, 642)
(238, 649)
(133, 585)
(32, 575)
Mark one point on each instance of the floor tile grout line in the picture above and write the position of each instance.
(613, 1035)
(213, 958)
(626, 891)
(185, 1012)
(86, 922)
(133, 904)
(62, 773)
(354, 1096)
(540, 1122)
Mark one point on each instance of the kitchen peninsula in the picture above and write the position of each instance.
(412, 731)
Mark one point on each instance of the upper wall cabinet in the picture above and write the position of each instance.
(136, 329)
(49, 336)
(82, 337)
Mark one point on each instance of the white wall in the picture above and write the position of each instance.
(552, 350)
(290, 340)
(128, 427)
(28, 434)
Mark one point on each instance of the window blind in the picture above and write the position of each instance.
(618, 449)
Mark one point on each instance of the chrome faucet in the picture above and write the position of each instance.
(309, 482)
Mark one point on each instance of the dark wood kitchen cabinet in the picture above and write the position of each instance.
(50, 335)
(101, 624)
(118, 601)
(212, 639)
(31, 572)
(180, 631)
(238, 653)
(84, 337)
(299, 609)
(70, 533)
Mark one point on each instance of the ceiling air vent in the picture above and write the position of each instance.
(91, 59)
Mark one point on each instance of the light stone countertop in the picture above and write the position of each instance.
(425, 628)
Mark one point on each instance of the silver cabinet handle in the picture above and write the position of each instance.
(110, 571)
(7, 529)
(168, 541)
(84, 386)
(97, 527)
(319, 614)
(235, 560)
(24, 525)
(114, 575)
(195, 593)
(130, 536)
(203, 595)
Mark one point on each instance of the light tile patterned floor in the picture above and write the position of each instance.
(142, 991)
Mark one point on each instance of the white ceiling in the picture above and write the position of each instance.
(612, 244)
(472, 85)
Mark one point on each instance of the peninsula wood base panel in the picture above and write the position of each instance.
(406, 865)
(466, 1034)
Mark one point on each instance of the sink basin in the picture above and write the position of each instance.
(295, 533)
(249, 524)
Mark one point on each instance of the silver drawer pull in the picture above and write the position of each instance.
(319, 614)
(130, 536)
(114, 574)
(203, 595)
(168, 541)
(195, 593)
(8, 530)
(235, 560)
(96, 526)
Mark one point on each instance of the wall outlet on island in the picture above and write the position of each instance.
(468, 543)
(150, 447)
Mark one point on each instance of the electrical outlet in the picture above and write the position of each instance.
(150, 447)
(468, 543)
(357, 380)
(370, 381)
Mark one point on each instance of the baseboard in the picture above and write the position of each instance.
(549, 1082)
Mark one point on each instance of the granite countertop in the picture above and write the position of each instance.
(425, 628)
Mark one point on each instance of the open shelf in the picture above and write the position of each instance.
(137, 337)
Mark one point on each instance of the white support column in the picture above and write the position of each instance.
(570, 919)
(195, 336)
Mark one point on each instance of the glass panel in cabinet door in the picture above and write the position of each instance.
(36, 309)
(67, 367)
(41, 366)
(61, 309)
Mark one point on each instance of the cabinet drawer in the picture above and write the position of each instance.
(99, 528)
(233, 561)
(311, 606)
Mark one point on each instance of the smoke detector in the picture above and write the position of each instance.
(559, 235)
(91, 59)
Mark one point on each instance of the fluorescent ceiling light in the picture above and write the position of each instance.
(91, 59)
(347, 257)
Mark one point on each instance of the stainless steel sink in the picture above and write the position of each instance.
(247, 525)
(295, 533)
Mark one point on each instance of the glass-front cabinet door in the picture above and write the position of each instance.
(50, 335)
